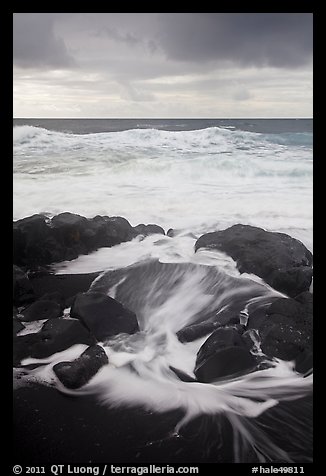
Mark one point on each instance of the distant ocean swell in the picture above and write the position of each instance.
(194, 181)
(229, 176)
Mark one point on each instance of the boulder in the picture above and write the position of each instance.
(182, 375)
(292, 281)
(17, 326)
(223, 354)
(69, 223)
(41, 309)
(285, 306)
(287, 330)
(257, 318)
(34, 243)
(22, 287)
(103, 315)
(56, 335)
(150, 229)
(54, 296)
(39, 240)
(282, 340)
(119, 230)
(282, 261)
(304, 362)
(224, 363)
(68, 228)
(191, 333)
(78, 372)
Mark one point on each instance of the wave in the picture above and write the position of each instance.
(229, 176)
(220, 139)
(151, 151)
(167, 297)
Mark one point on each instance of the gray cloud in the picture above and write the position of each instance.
(150, 64)
(113, 33)
(35, 44)
(247, 39)
(259, 39)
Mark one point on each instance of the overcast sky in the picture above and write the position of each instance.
(162, 65)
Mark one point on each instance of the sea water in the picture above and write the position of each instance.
(194, 176)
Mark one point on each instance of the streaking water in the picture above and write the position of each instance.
(167, 297)
(196, 180)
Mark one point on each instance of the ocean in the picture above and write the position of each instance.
(194, 176)
(197, 175)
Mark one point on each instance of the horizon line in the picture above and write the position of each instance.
(165, 118)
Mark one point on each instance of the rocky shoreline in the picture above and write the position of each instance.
(75, 314)
(285, 327)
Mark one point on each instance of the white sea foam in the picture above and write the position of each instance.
(195, 180)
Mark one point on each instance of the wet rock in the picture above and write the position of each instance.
(119, 230)
(304, 362)
(227, 362)
(222, 355)
(41, 309)
(300, 313)
(282, 261)
(40, 241)
(191, 333)
(150, 229)
(22, 287)
(78, 372)
(69, 222)
(283, 340)
(103, 315)
(56, 335)
(182, 375)
(285, 306)
(292, 281)
(34, 242)
(68, 229)
(287, 330)
(17, 326)
(54, 297)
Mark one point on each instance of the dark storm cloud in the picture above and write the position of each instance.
(253, 39)
(35, 43)
(244, 39)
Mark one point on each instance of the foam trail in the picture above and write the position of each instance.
(166, 298)
(217, 168)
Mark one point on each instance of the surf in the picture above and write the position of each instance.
(168, 297)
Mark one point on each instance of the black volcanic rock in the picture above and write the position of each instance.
(150, 229)
(223, 354)
(103, 315)
(114, 230)
(287, 330)
(68, 229)
(22, 287)
(282, 261)
(226, 362)
(191, 333)
(69, 222)
(292, 281)
(39, 241)
(17, 326)
(282, 340)
(34, 242)
(41, 309)
(78, 372)
(54, 296)
(56, 335)
(182, 375)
